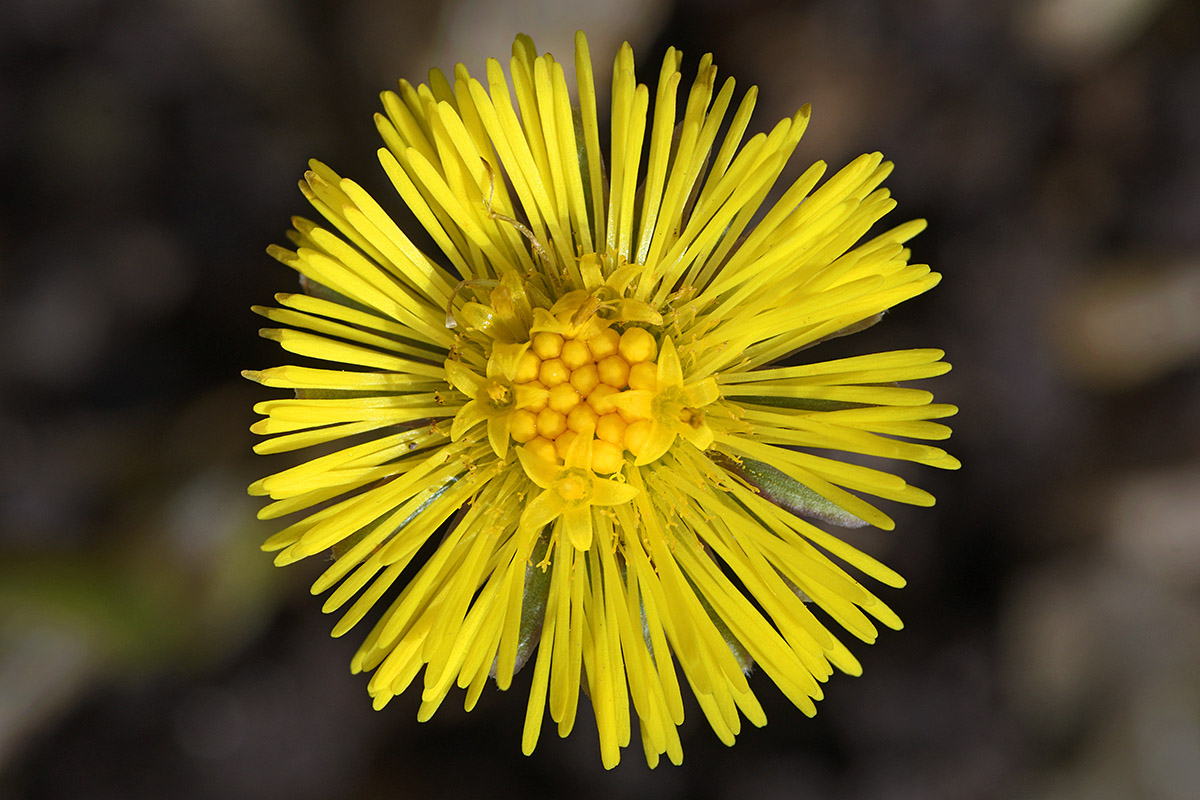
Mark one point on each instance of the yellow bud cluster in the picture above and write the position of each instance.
(581, 376)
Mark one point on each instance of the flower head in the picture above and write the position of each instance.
(578, 428)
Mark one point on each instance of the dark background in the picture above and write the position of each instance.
(149, 152)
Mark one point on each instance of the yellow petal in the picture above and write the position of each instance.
(505, 357)
(498, 428)
(638, 402)
(577, 524)
(670, 371)
(528, 395)
(478, 317)
(637, 311)
(660, 441)
(611, 493)
(462, 378)
(702, 393)
(621, 276)
(543, 320)
(701, 437)
(571, 301)
(539, 470)
(542, 510)
(579, 454)
(468, 417)
(589, 268)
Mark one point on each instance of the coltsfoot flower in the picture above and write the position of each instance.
(578, 430)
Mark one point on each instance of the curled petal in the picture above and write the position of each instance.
(527, 395)
(476, 316)
(637, 311)
(579, 454)
(543, 320)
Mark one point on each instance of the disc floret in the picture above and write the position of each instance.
(570, 490)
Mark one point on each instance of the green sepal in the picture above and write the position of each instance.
(344, 546)
(585, 172)
(322, 292)
(533, 603)
(787, 492)
(798, 403)
(740, 653)
(341, 394)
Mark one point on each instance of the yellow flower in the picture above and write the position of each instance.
(578, 429)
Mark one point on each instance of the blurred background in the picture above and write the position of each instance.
(150, 151)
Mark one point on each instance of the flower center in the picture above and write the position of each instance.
(574, 487)
(581, 376)
(693, 417)
(499, 394)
